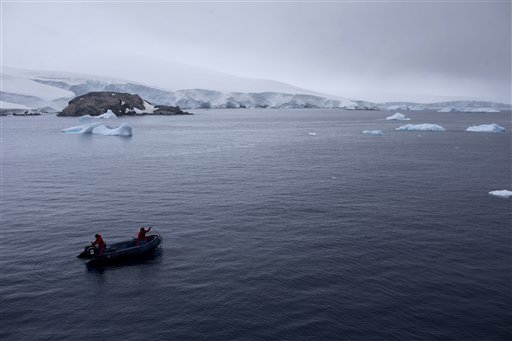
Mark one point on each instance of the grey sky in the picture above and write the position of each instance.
(420, 51)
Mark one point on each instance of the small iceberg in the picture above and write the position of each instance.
(501, 193)
(85, 118)
(311, 134)
(97, 128)
(421, 127)
(448, 109)
(372, 132)
(108, 115)
(487, 128)
(398, 117)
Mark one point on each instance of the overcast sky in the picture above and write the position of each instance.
(378, 51)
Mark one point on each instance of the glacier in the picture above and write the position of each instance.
(372, 132)
(501, 193)
(422, 127)
(398, 117)
(98, 128)
(487, 128)
(53, 90)
(454, 109)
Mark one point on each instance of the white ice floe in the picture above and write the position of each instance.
(85, 118)
(108, 115)
(422, 127)
(501, 193)
(372, 132)
(398, 117)
(487, 128)
(100, 129)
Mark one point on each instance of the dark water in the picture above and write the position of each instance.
(269, 233)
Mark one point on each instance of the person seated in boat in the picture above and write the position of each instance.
(99, 245)
(141, 237)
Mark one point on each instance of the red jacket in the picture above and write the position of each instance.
(99, 241)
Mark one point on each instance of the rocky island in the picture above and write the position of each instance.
(121, 104)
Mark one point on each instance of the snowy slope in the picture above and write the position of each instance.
(189, 88)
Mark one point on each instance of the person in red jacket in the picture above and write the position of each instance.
(142, 234)
(99, 245)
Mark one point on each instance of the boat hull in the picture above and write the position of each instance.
(127, 250)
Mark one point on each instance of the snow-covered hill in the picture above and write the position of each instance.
(53, 90)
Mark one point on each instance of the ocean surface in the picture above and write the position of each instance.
(277, 225)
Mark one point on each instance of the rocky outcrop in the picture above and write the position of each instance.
(121, 104)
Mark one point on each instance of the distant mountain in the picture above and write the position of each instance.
(191, 88)
(53, 90)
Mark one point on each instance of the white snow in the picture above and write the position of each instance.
(487, 128)
(148, 109)
(8, 105)
(23, 86)
(108, 115)
(100, 129)
(372, 132)
(501, 193)
(398, 117)
(422, 127)
(173, 85)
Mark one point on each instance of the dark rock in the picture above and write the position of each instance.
(121, 104)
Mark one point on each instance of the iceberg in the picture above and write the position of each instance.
(448, 109)
(85, 118)
(372, 132)
(312, 134)
(97, 128)
(487, 128)
(398, 117)
(501, 193)
(422, 127)
(109, 114)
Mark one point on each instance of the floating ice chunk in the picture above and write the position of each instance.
(311, 134)
(448, 109)
(108, 115)
(100, 129)
(398, 117)
(487, 128)
(85, 118)
(501, 193)
(422, 127)
(123, 130)
(372, 132)
(82, 129)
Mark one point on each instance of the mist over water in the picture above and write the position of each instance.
(270, 231)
